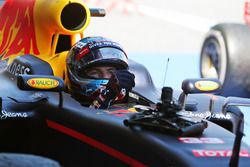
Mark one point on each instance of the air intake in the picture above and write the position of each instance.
(73, 16)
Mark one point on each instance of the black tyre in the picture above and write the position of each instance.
(225, 55)
(24, 160)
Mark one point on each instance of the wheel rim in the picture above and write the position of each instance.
(213, 57)
(210, 59)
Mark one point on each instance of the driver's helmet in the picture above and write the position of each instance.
(92, 52)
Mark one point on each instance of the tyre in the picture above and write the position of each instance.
(25, 160)
(225, 55)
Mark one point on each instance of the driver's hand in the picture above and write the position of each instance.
(125, 79)
(120, 83)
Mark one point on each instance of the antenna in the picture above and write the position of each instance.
(165, 75)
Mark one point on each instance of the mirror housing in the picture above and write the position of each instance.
(203, 85)
(40, 82)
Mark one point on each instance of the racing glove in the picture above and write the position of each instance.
(121, 82)
(125, 79)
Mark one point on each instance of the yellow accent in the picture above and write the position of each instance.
(48, 27)
(206, 85)
(48, 23)
(43, 83)
(132, 109)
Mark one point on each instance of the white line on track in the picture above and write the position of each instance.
(189, 21)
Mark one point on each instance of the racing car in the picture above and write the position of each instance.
(191, 127)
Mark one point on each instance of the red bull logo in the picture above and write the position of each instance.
(17, 31)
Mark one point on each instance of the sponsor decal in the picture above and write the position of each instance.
(79, 45)
(118, 113)
(203, 140)
(133, 95)
(104, 43)
(218, 153)
(43, 83)
(121, 113)
(17, 18)
(83, 51)
(206, 85)
(207, 115)
(5, 115)
(16, 69)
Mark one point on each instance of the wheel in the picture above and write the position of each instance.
(225, 55)
(25, 160)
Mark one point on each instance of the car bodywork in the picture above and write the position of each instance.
(39, 118)
(47, 35)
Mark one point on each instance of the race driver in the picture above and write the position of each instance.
(98, 72)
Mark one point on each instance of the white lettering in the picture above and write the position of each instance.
(190, 140)
(16, 69)
(218, 153)
(26, 70)
(203, 140)
(6, 114)
(208, 115)
(211, 140)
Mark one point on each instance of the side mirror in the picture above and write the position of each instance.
(190, 86)
(203, 85)
(40, 82)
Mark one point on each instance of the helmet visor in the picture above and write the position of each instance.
(105, 57)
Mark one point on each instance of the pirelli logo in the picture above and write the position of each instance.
(43, 83)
